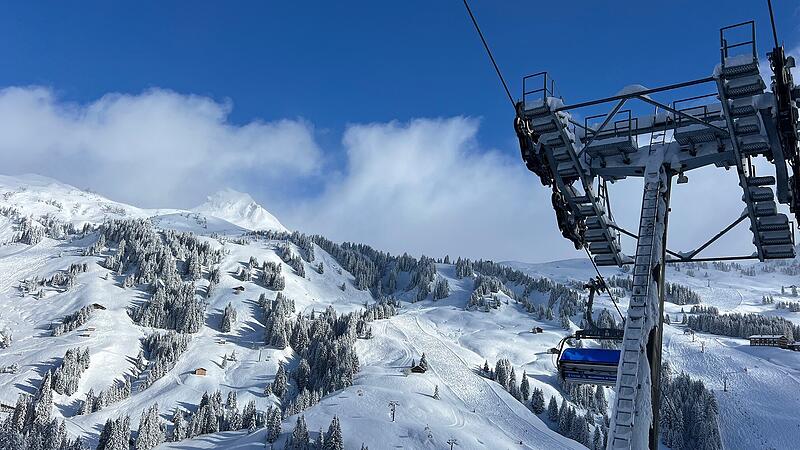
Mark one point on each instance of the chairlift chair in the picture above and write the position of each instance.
(590, 365)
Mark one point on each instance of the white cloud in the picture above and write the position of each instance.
(424, 186)
(159, 148)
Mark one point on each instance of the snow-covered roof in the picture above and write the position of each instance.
(766, 336)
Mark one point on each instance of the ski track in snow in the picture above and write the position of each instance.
(472, 389)
(754, 383)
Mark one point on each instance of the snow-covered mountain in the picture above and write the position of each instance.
(35, 195)
(240, 209)
(44, 279)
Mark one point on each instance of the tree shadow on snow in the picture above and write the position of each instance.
(70, 409)
(215, 318)
(51, 364)
(250, 333)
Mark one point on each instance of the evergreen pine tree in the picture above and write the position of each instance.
(333, 438)
(600, 402)
(537, 401)
(423, 362)
(273, 425)
(105, 435)
(597, 440)
(552, 410)
(43, 402)
(320, 443)
(564, 418)
(151, 433)
(249, 415)
(299, 439)
(579, 430)
(525, 387)
(179, 431)
(228, 318)
(279, 384)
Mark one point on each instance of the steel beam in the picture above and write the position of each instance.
(634, 94)
(717, 236)
(682, 114)
(602, 126)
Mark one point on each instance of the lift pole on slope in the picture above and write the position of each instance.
(727, 127)
(735, 121)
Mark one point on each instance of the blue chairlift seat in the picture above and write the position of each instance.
(589, 365)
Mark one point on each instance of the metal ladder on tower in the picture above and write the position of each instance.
(632, 414)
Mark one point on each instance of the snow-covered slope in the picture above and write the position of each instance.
(473, 410)
(240, 209)
(756, 412)
(758, 409)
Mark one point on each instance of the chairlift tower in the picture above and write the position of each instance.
(727, 121)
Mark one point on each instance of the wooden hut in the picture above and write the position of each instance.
(769, 340)
(418, 369)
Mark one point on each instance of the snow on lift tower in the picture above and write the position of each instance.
(725, 120)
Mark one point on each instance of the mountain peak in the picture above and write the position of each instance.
(240, 209)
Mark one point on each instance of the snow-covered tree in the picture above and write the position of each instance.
(600, 402)
(299, 439)
(333, 438)
(273, 425)
(502, 373)
(5, 338)
(552, 410)
(597, 440)
(441, 289)
(228, 318)
(525, 387)
(423, 361)
(537, 401)
(280, 383)
(151, 431)
(179, 431)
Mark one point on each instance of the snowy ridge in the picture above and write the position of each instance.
(240, 209)
(35, 195)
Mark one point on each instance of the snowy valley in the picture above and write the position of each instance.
(219, 328)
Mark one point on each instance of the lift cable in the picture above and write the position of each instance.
(613, 300)
(772, 21)
(513, 105)
(489, 52)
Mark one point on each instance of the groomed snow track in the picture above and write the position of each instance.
(476, 392)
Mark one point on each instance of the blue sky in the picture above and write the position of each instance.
(339, 69)
(334, 63)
